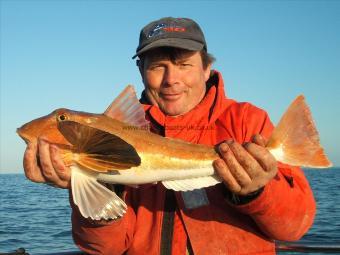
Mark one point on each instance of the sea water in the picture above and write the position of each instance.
(37, 216)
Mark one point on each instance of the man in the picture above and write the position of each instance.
(259, 200)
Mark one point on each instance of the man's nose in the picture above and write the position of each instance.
(171, 75)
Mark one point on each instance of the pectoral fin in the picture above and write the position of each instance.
(93, 199)
(98, 150)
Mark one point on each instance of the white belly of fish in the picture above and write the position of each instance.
(136, 177)
(156, 167)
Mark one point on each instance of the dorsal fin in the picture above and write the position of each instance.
(98, 150)
(126, 108)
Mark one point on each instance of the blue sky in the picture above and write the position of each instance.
(77, 54)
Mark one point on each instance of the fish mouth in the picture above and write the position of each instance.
(23, 136)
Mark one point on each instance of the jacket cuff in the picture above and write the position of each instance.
(270, 194)
(235, 199)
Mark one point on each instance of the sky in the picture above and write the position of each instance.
(78, 54)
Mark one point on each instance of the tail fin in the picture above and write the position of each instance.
(295, 140)
(93, 199)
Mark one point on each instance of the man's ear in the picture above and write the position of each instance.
(140, 68)
(207, 72)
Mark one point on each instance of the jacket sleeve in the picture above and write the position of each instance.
(286, 208)
(112, 238)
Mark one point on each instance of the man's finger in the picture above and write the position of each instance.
(224, 173)
(61, 170)
(249, 164)
(46, 164)
(31, 168)
(259, 140)
(234, 166)
(262, 156)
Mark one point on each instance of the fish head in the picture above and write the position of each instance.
(45, 127)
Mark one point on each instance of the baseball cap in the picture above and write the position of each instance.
(181, 33)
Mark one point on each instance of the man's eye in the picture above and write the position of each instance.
(155, 67)
(185, 65)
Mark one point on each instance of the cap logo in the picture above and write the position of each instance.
(162, 28)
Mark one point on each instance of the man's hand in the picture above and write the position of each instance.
(43, 163)
(245, 169)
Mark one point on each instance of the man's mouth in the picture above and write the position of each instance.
(171, 96)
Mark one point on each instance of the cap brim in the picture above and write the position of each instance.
(181, 43)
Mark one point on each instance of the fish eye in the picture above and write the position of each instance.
(61, 117)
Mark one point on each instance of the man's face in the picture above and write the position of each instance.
(175, 85)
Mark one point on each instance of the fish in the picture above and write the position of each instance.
(117, 147)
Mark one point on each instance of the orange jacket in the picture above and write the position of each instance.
(283, 211)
